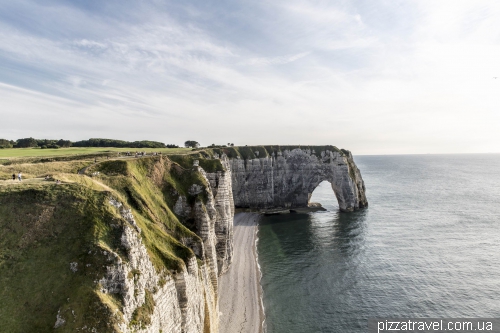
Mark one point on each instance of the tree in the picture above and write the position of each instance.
(5, 143)
(191, 144)
(96, 142)
(64, 143)
(26, 143)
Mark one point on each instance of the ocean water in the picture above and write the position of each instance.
(428, 245)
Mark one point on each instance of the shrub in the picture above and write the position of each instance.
(5, 143)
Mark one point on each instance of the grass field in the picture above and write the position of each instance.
(35, 170)
(37, 152)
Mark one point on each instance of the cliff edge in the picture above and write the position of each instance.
(139, 244)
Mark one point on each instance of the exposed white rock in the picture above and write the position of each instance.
(131, 279)
(195, 189)
(185, 301)
(181, 207)
(59, 320)
(288, 180)
(115, 203)
(222, 192)
(73, 266)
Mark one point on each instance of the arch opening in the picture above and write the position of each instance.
(324, 195)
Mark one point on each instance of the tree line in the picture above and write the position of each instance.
(46, 143)
(196, 144)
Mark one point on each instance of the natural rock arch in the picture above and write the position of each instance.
(286, 179)
(314, 198)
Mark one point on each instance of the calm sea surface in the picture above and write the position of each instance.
(427, 246)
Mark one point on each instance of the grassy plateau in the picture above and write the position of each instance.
(38, 152)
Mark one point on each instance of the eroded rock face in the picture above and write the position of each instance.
(131, 279)
(222, 191)
(187, 300)
(184, 301)
(288, 179)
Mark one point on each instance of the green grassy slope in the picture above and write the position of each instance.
(44, 227)
(42, 230)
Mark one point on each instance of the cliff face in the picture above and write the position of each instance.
(286, 178)
(183, 300)
(186, 299)
(221, 185)
(141, 246)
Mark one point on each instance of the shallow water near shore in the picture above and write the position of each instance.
(427, 246)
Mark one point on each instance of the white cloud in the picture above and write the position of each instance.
(89, 44)
(277, 60)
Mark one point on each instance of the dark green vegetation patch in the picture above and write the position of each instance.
(205, 158)
(50, 257)
(113, 168)
(142, 315)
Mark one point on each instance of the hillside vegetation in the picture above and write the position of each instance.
(54, 237)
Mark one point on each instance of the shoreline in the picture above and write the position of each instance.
(259, 286)
(240, 292)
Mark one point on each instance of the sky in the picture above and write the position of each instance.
(371, 76)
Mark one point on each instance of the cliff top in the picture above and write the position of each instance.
(251, 152)
(78, 152)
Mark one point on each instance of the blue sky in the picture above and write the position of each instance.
(375, 77)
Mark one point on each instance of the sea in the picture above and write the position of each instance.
(428, 246)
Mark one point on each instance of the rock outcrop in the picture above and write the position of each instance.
(184, 300)
(286, 178)
(221, 186)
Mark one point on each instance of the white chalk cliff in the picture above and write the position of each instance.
(186, 300)
(287, 179)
